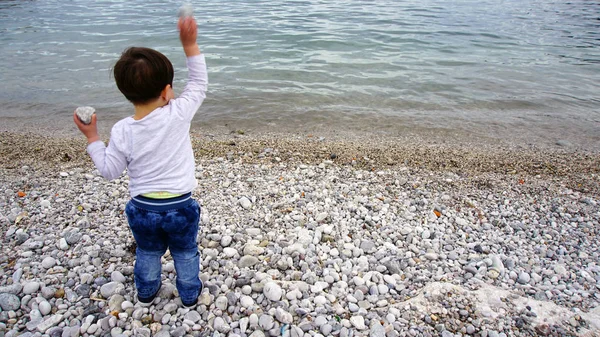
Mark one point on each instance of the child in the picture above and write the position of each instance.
(154, 145)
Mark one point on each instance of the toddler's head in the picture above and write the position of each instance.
(142, 74)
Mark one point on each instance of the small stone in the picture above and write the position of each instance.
(100, 281)
(272, 291)
(321, 217)
(493, 273)
(62, 244)
(266, 322)
(169, 267)
(14, 289)
(220, 325)
(232, 298)
(44, 308)
(326, 329)
(253, 232)
(497, 264)
(117, 276)
(221, 303)
(230, 252)
(31, 287)
(247, 261)
(426, 234)
(55, 332)
(163, 333)
(193, 316)
(116, 331)
(83, 290)
(524, 278)
(110, 289)
(283, 316)
(377, 330)
(470, 329)
(59, 293)
(257, 333)
(72, 237)
(358, 322)
(84, 113)
(226, 241)
(115, 302)
(253, 250)
(320, 300)
(245, 203)
(246, 301)
(49, 322)
(186, 10)
(178, 332)
(126, 305)
(167, 291)
(146, 320)
(170, 307)
(204, 218)
(48, 262)
(205, 299)
(431, 256)
(9, 302)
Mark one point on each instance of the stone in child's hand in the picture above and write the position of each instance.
(186, 10)
(84, 113)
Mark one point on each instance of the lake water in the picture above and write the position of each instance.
(512, 69)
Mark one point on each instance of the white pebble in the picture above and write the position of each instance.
(246, 301)
(31, 287)
(48, 262)
(44, 308)
(272, 291)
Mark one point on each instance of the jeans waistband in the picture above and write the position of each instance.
(159, 205)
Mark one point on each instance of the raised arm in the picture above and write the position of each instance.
(195, 90)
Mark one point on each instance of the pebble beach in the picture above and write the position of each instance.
(309, 235)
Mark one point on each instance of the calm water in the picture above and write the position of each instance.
(528, 69)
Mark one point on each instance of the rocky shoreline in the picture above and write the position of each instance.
(310, 236)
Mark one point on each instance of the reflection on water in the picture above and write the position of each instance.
(525, 65)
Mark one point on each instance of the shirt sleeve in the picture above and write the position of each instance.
(187, 104)
(110, 161)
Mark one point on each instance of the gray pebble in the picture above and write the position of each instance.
(31, 287)
(117, 276)
(110, 289)
(9, 302)
(247, 261)
(178, 332)
(48, 262)
(523, 278)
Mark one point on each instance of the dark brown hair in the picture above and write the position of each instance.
(142, 73)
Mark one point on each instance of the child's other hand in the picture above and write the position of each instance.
(90, 131)
(188, 30)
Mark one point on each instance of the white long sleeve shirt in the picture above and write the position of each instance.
(157, 149)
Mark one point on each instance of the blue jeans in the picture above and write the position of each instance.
(158, 224)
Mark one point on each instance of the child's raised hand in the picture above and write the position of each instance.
(188, 31)
(90, 131)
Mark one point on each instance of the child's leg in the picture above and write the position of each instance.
(151, 245)
(183, 231)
